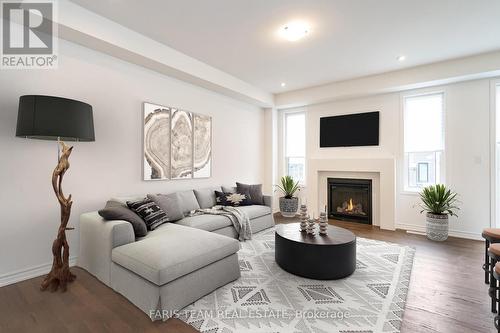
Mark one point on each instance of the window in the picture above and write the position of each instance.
(295, 145)
(496, 159)
(497, 116)
(423, 140)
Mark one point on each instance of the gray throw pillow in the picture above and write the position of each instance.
(116, 211)
(206, 196)
(169, 203)
(187, 201)
(229, 189)
(255, 192)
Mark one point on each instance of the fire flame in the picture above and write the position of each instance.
(350, 206)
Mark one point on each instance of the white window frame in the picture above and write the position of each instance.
(285, 157)
(404, 189)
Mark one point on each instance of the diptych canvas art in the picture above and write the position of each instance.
(177, 143)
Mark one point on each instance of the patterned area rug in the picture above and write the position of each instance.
(268, 299)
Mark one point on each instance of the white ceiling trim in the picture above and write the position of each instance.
(86, 28)
(486, 65)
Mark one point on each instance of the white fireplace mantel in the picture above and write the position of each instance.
(385, 167)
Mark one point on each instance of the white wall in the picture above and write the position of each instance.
(112, 165)
(270, 149)
(467, 150)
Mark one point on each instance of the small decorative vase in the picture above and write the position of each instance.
(437, 227)
(288, 207)
(311, 226)
(303, 218)
(323, 224)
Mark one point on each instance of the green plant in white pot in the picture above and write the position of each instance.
(439, 203)
(288, 203)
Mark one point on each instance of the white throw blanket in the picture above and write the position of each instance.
(238, 218)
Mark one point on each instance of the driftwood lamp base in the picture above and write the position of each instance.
(60, 274)
(45, 117)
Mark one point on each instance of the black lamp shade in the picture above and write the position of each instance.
(50, 118)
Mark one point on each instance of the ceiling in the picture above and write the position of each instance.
(348, 38)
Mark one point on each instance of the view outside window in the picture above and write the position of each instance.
(423, 140)
(295, 145)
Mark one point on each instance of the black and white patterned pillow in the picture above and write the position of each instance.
(232, 199)
(149, 211)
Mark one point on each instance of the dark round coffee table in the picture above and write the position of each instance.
(317, 257)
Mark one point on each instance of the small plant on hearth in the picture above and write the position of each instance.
(288, 203)
(439, 203)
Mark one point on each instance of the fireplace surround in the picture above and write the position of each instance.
(350, 199)
(382, 172)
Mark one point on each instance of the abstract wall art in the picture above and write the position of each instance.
(177, 143)
(202, 153)
(182, 144)
(156, 142)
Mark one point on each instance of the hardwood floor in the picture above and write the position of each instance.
(447, 294)
(447, 291)
(87, 306)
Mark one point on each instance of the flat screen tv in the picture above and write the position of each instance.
(360, 129)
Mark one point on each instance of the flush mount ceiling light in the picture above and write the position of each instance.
(283, 84)
(295, 30)
(401, 58)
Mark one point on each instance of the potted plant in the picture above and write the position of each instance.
(439, 203)
(288, 203)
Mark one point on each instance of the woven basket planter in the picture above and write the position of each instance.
(437, 227)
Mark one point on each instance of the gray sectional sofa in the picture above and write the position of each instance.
(173, 265)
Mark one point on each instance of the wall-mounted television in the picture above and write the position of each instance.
(360, 129)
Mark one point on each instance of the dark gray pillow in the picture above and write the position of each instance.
(116, 211)
(169, 203)
(233, 199)
(255, 192)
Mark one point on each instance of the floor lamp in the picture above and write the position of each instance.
(59, 119)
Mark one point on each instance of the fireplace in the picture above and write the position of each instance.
(350, 199)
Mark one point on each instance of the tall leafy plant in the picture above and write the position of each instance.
(437, 199)
(288, 186)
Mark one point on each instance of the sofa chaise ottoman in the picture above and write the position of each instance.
(173, 265)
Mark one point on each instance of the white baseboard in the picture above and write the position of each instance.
(453, 233)
(466, 235)
(415, 232)
(29, 273)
